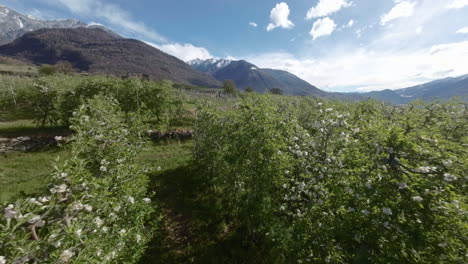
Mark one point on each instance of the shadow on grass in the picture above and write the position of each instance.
(194, 228)
(34, 131)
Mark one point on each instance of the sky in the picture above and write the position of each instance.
(336, 45)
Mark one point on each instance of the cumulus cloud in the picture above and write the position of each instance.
(322, 27)
(253, 24)
(366, 70)
(350, 23)
(279, 17)
(112, 14)
(327, 7)
(185, 52)
(401, 9)
(456, 4)
(463, 30)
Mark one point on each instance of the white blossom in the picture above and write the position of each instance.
(98, 221)
(387, 211)
(88, 207)
(447, 163)
(158, 169)
(402, 186)
(449, 177)
(131, 199)
(66, 255)
(34, 219)
(102, 168)
(417, 199)
(77, 206)
(147, 200)
(10, 213)
(59, 189)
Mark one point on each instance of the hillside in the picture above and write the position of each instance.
(246, 74)
(97, 51)
(443, 89)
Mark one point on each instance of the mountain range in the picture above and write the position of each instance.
(14, 25)
(245, 74)
(97, 50)
(443, 89)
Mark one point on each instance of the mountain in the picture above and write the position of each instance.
(246, 74)
(443, 89)
(14, 25)
(293, 84)
(97, 51)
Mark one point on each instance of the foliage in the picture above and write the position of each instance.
(249, 90)
(47, 70)
(64, 67)
(52, 100)
(277, 91)
(330, 182)
(97, 210)
(229, 87)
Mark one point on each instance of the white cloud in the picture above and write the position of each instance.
(365, 70)
(253, 24)
(327, 7)
(279, 17)
(455, 4)
(112, 14)
(322, 27)
(185, 52)
(350, 23)
(463, 30)
(401, 9)
(419, 30)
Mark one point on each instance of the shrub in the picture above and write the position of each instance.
(47, 70)
(97, 210)
(328, 182)
(229, 87)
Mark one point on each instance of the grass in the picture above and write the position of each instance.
(19, 128)
(26, 173)
(194, 226)
(18, 69)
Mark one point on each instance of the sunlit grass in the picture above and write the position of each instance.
(26, 173)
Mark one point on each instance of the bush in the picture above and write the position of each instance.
(323, 182)
(53, 99)
(47, 70)
(229, 87)
(97, 210)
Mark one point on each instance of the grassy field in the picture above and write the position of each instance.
(18, 69)
(26, 173)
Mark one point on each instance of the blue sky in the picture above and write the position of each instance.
(337, 45)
